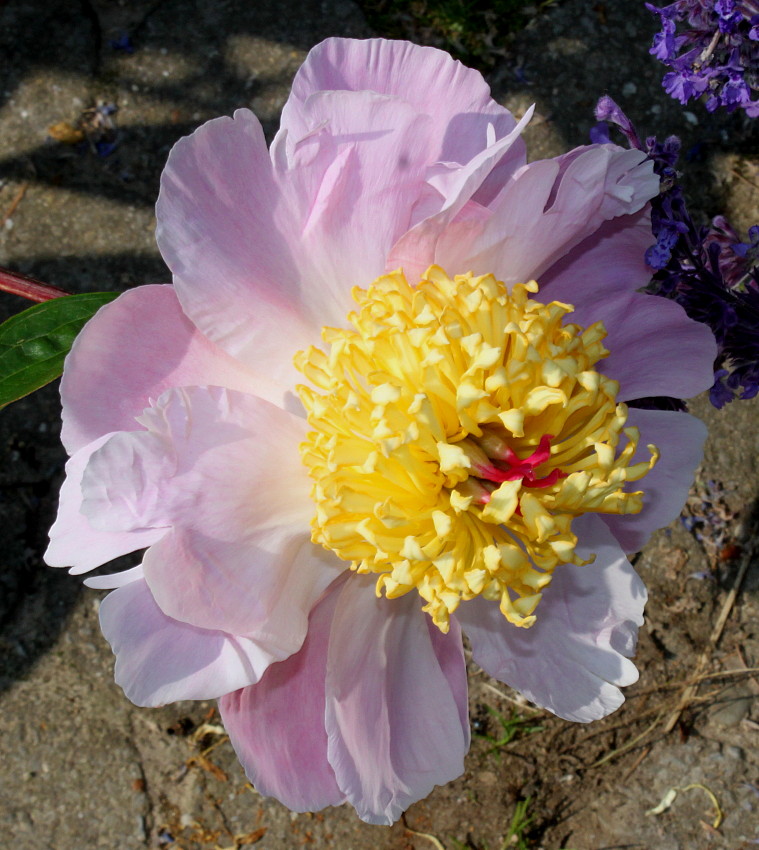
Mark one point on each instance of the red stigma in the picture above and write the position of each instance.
(510, 467)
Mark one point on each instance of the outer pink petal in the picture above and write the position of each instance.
(415, 250)
(277, 726)
(129, 353)
(223, 471)
(575, 656)
(457, 98)
(610, 261)
(74, 542)
(395, 728)
(234, 270)
(680, 438)
(160, 660)
(546, 209)
(655, 349)
(350, 187)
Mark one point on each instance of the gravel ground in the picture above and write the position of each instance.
(84, 768)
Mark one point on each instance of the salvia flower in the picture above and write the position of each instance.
(356, 428)
(715, 52)
(708, 270)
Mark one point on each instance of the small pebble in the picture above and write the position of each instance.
(690, 118)
(629, 88)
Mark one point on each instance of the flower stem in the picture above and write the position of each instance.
(28, 287)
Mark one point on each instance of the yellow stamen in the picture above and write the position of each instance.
(458, 429)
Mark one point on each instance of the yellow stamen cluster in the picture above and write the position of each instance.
(415, 411)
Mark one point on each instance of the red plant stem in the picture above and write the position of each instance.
(28, 287)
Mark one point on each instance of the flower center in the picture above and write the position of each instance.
(458, 429)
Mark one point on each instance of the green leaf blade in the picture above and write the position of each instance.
(35, 342)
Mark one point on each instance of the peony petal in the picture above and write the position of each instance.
(222, 470)
(546, 209)
(574, 657)
(608, 262)
(415, 251)
(457, 98)
(160, 660)
(74, 542)
(129, 353)
(395, 729)
(110, 581)
(234, 270)
(680, 437)
(449, 651)
(277, 725)
(655, 349)
(350, 184)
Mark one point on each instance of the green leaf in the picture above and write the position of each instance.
(34, 343)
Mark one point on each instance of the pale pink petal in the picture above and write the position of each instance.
(160, 660)
(608, 262)
(110, 581)
(277, 725)
(233, 268)
(449, 651)
(457, 98)
(655, 349)
(222, 470)
(415, 250)
(394, 726)
(129, 353)
(575, 657)
(680, 438)
(546, 209)
(349, 187)
(74, 542)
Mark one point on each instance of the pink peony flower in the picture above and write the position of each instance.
(468, 464)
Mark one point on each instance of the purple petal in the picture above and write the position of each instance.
(655, 349)
(548, 208)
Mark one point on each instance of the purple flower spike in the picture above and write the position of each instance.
(714, 52)
(710, 271)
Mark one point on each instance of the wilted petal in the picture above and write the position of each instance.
(574, 659)
(395, 729)
(277, 725)
(160, 660)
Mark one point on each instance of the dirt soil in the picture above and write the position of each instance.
(82, 767)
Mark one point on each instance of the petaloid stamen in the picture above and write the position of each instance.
(458, 429)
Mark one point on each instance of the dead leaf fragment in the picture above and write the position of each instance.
(65, 133)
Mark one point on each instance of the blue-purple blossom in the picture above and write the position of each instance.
(709, 270)
(715, 52)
